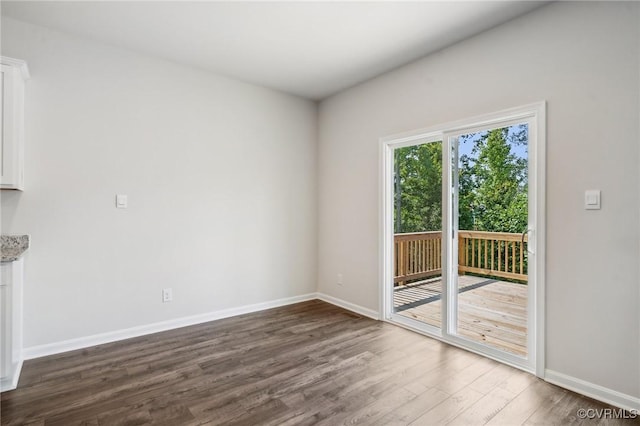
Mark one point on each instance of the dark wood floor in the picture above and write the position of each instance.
(309, 363)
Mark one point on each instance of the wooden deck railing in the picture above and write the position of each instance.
(497, 254)
(417, 255)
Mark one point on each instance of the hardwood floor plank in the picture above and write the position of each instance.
(305, 364)
(519, 409)
(374, 411)
(484, 409)
(450, 408)
(492, 379)
(416, 407)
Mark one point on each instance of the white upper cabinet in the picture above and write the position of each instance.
(14, 74)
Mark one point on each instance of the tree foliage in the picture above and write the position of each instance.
(492, 182)
(418, 182)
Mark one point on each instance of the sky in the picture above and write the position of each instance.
(466, 146)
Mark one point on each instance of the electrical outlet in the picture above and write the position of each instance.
(339, 279)
(167, 295)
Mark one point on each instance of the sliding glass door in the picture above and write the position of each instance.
(460, 218)
(490, 208)
(417, 221)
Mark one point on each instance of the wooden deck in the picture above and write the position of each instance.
(490, 312)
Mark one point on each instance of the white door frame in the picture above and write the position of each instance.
(535, 116)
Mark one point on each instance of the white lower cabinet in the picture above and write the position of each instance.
(10, 323)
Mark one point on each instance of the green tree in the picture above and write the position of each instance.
(418, 182)
(493, 182)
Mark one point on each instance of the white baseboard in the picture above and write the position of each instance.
(7, 385)
(113, 336)
(349, 306)
(594, 391)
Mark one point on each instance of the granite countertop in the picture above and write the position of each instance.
(13, 247)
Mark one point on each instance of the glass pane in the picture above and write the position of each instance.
(418, 232)
(492, 256)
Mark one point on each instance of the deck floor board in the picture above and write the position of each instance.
(490, 312)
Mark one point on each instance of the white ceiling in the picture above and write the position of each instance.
(311, 49)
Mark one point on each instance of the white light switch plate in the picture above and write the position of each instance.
(167, 295)
(121, 201)
(592, 199)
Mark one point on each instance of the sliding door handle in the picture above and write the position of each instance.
(524, 234)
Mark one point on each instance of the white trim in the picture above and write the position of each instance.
(5, 385)
(113, 336)
(385, 234)
(535, 115)
(594, 391)
(17, 63)
(449, 280)
(540, 170)
(479, 121)
(370, 313)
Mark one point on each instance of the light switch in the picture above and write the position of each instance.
(121, 201)
(592, 199)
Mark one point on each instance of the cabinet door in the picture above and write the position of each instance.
(11, 142)
(4, 80)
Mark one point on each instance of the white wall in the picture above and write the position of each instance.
(582, 58)
(220, 177)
